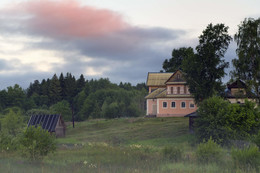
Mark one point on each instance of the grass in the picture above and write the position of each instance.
(118, 145)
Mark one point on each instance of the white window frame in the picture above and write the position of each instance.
(174, 104)
(184, 103)
(166, 105)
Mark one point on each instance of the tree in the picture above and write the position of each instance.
(247, 66)
(63, 108)
(205, 69)
(178, 55)
(55, 90)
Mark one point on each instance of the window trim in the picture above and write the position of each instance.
(174, 105)
(165, 106)
(184, 103)
(193, 106)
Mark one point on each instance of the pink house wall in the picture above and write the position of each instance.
(178, 111)
(175, 89)
(150, 103)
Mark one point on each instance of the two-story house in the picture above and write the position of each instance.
(169, 95)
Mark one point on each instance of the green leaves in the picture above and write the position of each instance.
(223, 121)
(205, 69)
(37, 142)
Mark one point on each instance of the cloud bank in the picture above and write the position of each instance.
(90, 41)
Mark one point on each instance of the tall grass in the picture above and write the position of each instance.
(122, 145)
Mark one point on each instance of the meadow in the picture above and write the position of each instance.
(122, 145)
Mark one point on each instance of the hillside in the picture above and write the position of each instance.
(120, 145)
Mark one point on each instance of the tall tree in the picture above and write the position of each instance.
(55, 90)
(175, 62)
(247, 66)
(204, 70)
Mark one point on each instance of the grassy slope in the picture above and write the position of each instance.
(153, 131)
(118, 145)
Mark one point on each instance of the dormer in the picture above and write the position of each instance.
(237, 88)
(176, 84)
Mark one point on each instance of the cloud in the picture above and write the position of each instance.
(91, 41)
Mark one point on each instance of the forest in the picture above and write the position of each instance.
(78, 98)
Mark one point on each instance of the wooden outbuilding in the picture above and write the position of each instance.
(52, 123)
(192, 117)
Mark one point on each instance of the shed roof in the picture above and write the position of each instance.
(48, 122)
(157, 79)
(193, 114)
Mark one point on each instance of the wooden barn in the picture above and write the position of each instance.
(52, 123)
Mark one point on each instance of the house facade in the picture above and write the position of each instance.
(169, 95)
(237, 93)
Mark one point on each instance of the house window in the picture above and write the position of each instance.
(178, 76)
(173, 104)
(192, 105)
(178, 90)
(164, 104)
(171, 90)
(185, 90)
(183, 104)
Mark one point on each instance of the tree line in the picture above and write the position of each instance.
(66, 95)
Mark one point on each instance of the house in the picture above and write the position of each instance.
(52, 123)
(169, 95)
(237, 92)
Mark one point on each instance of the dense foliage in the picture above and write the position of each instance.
(247, 66)
(224, 121)
(37, 142)
(175, 62)
(80, 98)
(205, 69)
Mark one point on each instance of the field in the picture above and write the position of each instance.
(119, 145)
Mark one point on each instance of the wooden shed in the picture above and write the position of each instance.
(52, 123)
(192, 116)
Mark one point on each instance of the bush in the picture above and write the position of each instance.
(256, 139)
(173, 153)
(37, 142)
(208, 152)
(247, 158)
(224, 121)
(8, 142)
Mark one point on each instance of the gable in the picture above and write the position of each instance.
(176, 77)
(47, 122)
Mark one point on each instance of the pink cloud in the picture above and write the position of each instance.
(69, 19)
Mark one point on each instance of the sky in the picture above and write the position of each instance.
(117, 39)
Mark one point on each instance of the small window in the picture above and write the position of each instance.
(164, 104)
(185, 89)
(192, 105)
(178, 76)
(171, 90)
(173, 104)
(183, 104)
(178, 90)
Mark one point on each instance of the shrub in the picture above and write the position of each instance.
(8, 142)
(208, 152)
(173, 153)
(211, 121)
(37, 142)
(247, 158)
(256, 139)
